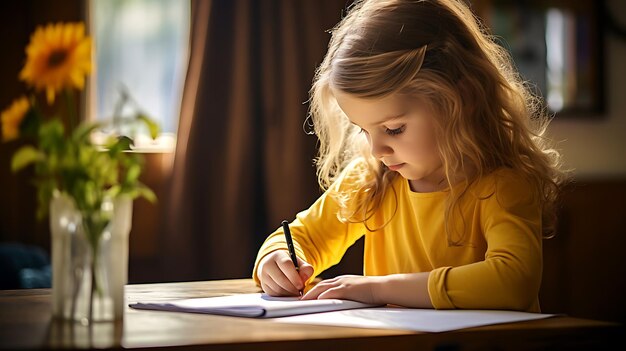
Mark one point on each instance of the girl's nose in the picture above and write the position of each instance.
(379, 148)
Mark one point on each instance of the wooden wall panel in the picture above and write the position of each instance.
(584, 265)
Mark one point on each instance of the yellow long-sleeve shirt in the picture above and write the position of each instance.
(498, 265)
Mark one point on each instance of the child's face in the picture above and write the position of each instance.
(401, 134)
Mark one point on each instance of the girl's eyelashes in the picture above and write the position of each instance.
(395, 131)
(388, 131)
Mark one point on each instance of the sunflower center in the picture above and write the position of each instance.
(56, 58)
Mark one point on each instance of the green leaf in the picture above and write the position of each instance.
(51, 135)
(24, 157)
(30, 124)
(83, 130)
(132, 174)
(89, 195)
(45, 190)
(113, 191)
(153, 127)
(121, 144)
(146, 192)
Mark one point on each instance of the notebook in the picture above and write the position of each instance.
(255, 305)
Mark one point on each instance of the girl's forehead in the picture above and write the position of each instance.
(376, 110)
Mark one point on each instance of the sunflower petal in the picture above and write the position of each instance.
(12, 118)
(57, 57)
(50, 92)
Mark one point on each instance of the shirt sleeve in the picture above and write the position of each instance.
(510, 276)
(320, 238)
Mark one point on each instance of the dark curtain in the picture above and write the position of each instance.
(243, 162)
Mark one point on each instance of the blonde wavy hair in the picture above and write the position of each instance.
(437, 51)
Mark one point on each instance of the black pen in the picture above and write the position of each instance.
(292, 250)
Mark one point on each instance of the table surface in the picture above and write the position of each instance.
(26, 323)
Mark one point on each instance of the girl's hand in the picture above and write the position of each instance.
(279, 276)
(347, 287)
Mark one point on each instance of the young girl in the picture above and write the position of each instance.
(430, 146)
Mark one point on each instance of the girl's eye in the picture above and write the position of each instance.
(361, 130)
(395, 131)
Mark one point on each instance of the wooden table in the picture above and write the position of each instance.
(25, 323)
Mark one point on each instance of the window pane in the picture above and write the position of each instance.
(141, 45)
(556, 45)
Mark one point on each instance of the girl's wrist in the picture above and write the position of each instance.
(406, 289)
(379, 289)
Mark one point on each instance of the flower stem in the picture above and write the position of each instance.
(93, 233)
(71, 109)
(92, 295)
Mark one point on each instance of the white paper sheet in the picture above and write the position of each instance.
(424, 320)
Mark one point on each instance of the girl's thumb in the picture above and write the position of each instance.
(306, 271)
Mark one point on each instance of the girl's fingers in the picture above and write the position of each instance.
(277, 275)
(267, 282)
(318, 290)
(266, 288)
(273, 289)
(332, 293)
(336, 284)
(289, 271)
(306, 270)
(285, 286)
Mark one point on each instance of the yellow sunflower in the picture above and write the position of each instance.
(12, 117)
(57, 57)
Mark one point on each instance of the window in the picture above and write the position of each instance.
(556, 45)
(141, 46)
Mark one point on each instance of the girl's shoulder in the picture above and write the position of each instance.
(510, 187)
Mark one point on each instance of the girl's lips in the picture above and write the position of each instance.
(395, 167)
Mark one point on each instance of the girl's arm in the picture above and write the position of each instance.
(320, 238)
(409, 290)
(510, 275)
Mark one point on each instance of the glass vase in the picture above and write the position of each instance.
(89, 269)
